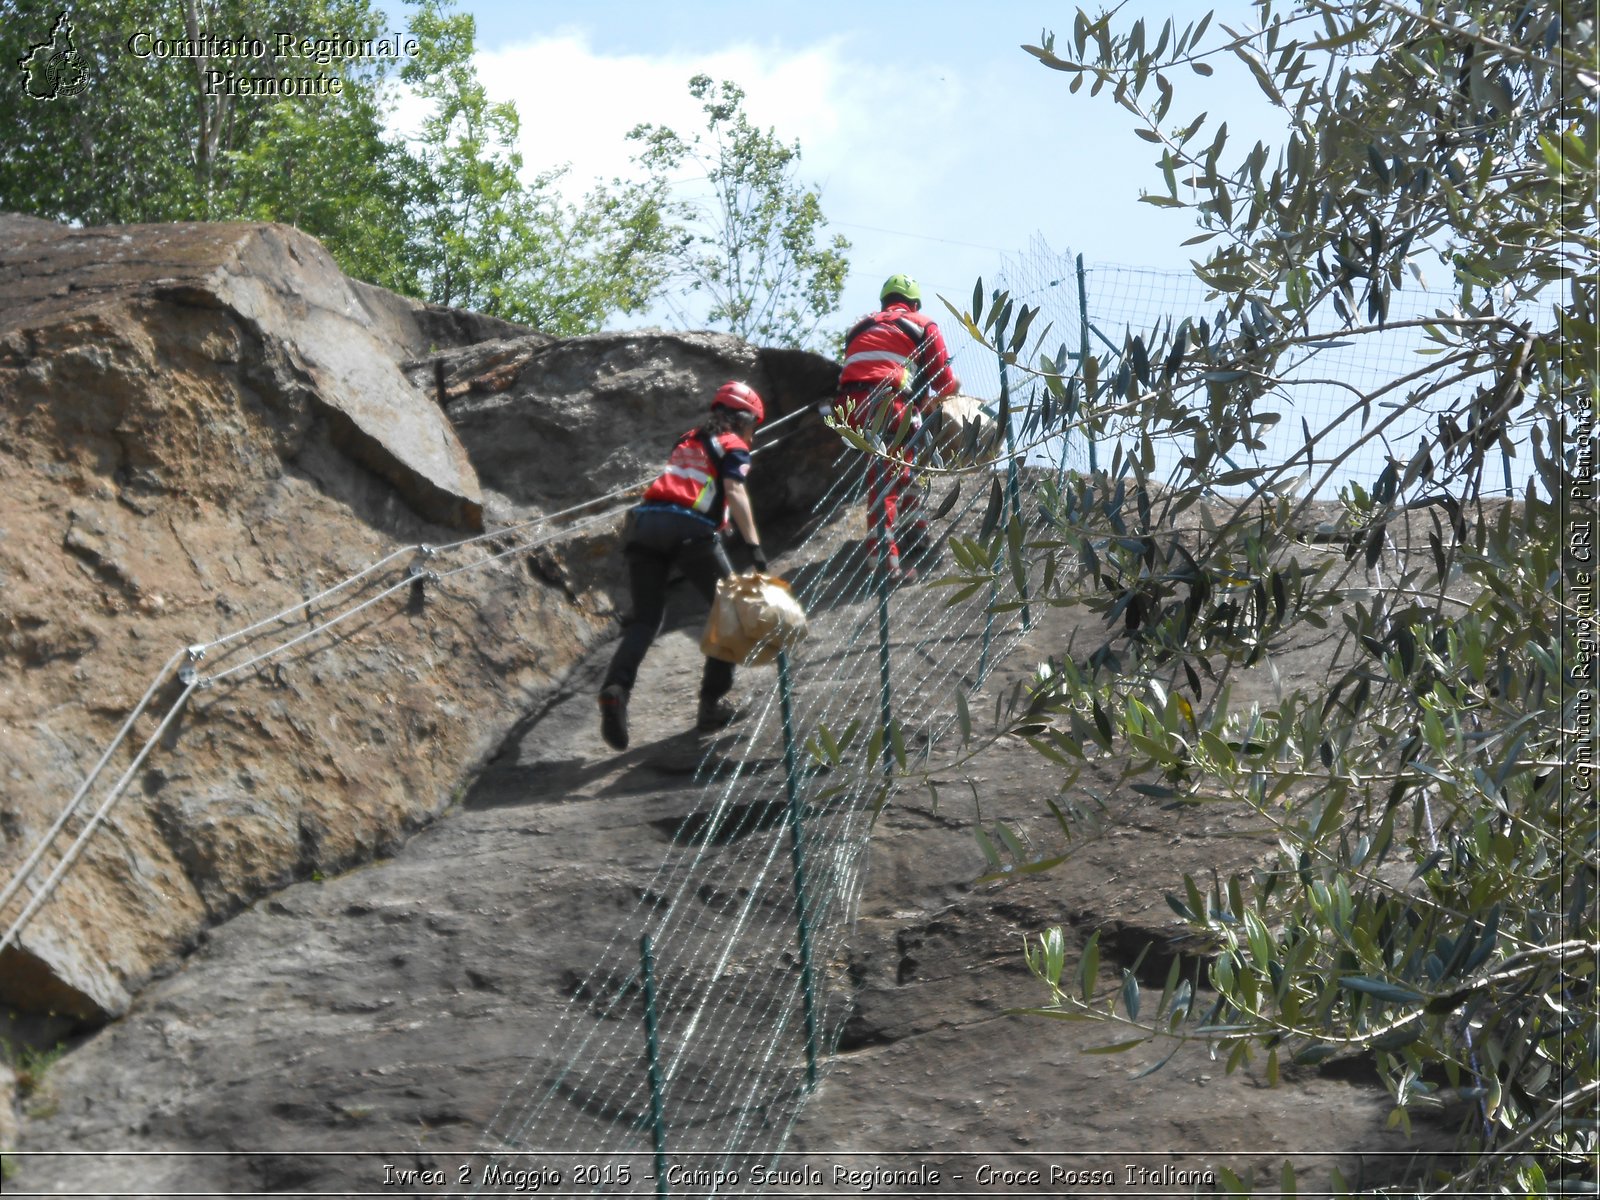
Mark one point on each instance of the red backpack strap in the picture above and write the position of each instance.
(901, 321)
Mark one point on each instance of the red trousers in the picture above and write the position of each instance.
(889, 495)
(889, 501)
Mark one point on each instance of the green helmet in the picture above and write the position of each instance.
(900, 285)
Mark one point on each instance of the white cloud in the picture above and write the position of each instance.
(578, 105)
(936, 168)
(878, 150)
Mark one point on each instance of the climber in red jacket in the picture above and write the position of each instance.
(895, 357)
(678, 525)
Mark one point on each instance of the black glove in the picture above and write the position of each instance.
(758, 557)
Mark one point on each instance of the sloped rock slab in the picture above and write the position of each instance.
(415, 1003)
(205, 428)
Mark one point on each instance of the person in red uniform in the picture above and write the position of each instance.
(895, 357)
(677, 526)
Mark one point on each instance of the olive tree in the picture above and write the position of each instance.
(1432, 902)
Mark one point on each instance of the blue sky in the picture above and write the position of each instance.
(940, 147)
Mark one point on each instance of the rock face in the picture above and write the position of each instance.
(550, 423)
(413, 1004)
(204, 428)
(269, 306)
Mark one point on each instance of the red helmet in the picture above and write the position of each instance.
(740, 397)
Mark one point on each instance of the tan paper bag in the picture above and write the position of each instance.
(752, 618)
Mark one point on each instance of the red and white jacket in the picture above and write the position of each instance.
(696, 471)
(900, 349)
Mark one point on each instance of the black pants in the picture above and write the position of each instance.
(657, 541)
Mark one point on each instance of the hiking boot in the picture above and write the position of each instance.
(614, 716)
(896, 574)
(915, 542)
(717, 714)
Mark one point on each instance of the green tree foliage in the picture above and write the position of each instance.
(323, 164)
(146, 139)
(444, 215)
(1432, 907)
(481, 238)
(755, 249)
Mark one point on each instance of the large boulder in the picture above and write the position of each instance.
(270, 307)
(204, 428)
(574, 428)
(552, 423)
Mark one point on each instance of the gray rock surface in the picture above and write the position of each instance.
(411, 1004)
(550, 423)
(277, 297)
(207, 427)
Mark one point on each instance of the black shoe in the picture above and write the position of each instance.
(614, 716)
(717, 714)
(898, 575)
(916, 542)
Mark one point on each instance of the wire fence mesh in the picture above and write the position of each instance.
(1094, 307)
(741, 911)
(735, 999)
(749, 914)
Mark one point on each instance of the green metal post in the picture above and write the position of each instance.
(885, 688)
(658, 1125)
(1013, 492)
(1004, 417)
(797, 853)
(1083, 353)
(1066, 440)
(988, 630)
(1061, 464)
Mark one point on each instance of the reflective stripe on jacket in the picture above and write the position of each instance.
(898, 348)
(695, 472)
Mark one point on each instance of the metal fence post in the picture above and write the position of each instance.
(885, 686)
(988, 630)
(797, 853)
(1083, 356)
(658, 1127)
(1013, 490)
